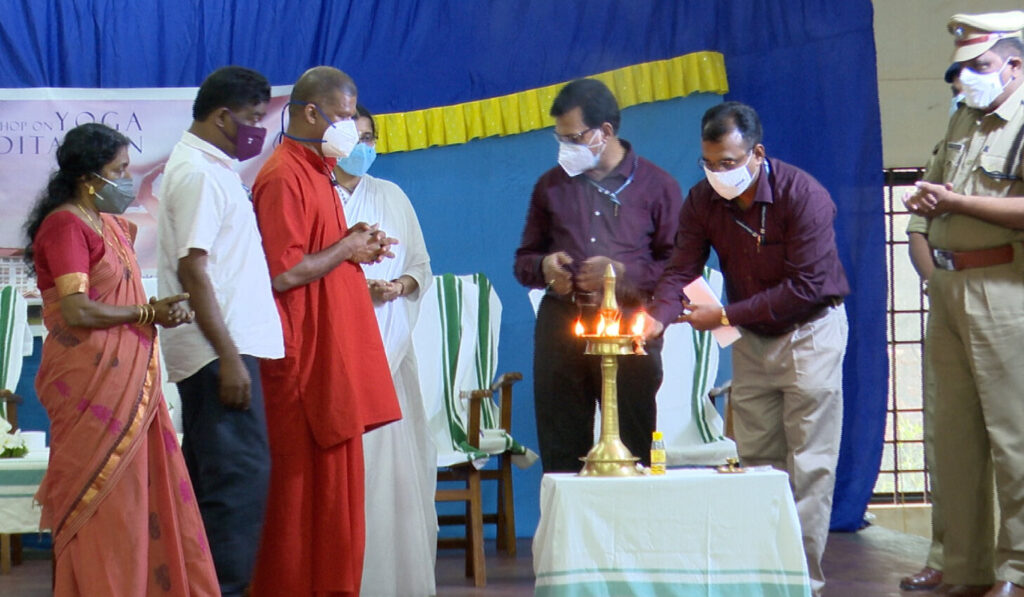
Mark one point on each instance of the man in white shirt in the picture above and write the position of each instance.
(211, 248)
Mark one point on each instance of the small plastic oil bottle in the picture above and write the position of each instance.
(657, 454)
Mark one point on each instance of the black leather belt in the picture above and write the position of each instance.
(831, 302)
(820, 311)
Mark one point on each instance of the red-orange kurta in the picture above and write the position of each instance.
(333, 385)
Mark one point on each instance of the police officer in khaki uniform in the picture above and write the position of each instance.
(930, 577)
(975, 342)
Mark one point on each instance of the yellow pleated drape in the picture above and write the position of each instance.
(528, 110)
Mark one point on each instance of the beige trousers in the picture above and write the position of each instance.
(974, 346)
(934, 482)
(787, 400)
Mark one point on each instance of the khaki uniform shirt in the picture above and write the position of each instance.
(918, 223)
(980, 155)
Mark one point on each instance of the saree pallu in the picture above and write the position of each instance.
(116, 495)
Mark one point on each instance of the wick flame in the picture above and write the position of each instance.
(579, 328)
(639, 323)
(613, 328)
(601, 326)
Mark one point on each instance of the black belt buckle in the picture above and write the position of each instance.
(943, 259)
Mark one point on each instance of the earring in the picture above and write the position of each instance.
(92, 191)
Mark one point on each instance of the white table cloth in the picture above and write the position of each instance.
(691, 532)
(19, 480)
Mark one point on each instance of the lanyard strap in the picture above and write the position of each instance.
(614, 195)
(759, 235)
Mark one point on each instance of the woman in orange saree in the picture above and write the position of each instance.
(116, 495)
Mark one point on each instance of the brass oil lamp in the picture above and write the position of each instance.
(610, 457)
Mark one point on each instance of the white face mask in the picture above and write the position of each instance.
(340, 139)
(981, 90)
(731, 183)
(576, 159)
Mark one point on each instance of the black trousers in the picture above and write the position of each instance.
(567, 385)
(228, 458)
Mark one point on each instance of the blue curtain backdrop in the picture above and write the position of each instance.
(808, 67)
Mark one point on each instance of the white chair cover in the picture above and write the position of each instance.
(456, 340)
(15, 338)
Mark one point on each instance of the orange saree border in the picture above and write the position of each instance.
(124, 448)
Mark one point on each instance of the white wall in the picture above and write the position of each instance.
(914, 51)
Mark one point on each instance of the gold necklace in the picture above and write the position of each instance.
(119, 249)
(97, 227)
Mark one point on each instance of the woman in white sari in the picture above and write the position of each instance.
(401, 460)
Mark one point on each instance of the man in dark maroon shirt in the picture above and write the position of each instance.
(602, 205)
(772, 227)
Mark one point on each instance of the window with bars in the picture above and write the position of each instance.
(903, 477)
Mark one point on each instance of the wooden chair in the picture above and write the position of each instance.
(10, 402)
(470, 492)
(10, 545)
(463, 314)
(724, 393)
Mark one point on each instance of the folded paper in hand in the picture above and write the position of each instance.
(699, 293)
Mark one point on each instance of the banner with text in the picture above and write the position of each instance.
(33, 123)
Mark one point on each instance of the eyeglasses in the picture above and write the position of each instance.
(368, 138)
(723, 165)
(576, 139)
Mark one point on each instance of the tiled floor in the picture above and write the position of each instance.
(865, 564)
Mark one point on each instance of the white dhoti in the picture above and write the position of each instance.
(400, 458)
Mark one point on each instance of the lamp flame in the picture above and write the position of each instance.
(639, 322)
(611, 326)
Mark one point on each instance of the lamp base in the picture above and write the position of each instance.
(611, 458)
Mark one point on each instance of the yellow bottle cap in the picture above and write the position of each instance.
(656, 436)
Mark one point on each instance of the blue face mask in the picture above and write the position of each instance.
(359, 160)
(954, 104)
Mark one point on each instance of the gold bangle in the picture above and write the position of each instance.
(148, 314)
(138, 318)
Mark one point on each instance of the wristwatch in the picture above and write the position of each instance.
(725, 318)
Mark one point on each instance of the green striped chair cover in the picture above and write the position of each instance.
(690, 361)
(456, 341)
(704, 376)
(13, 334)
